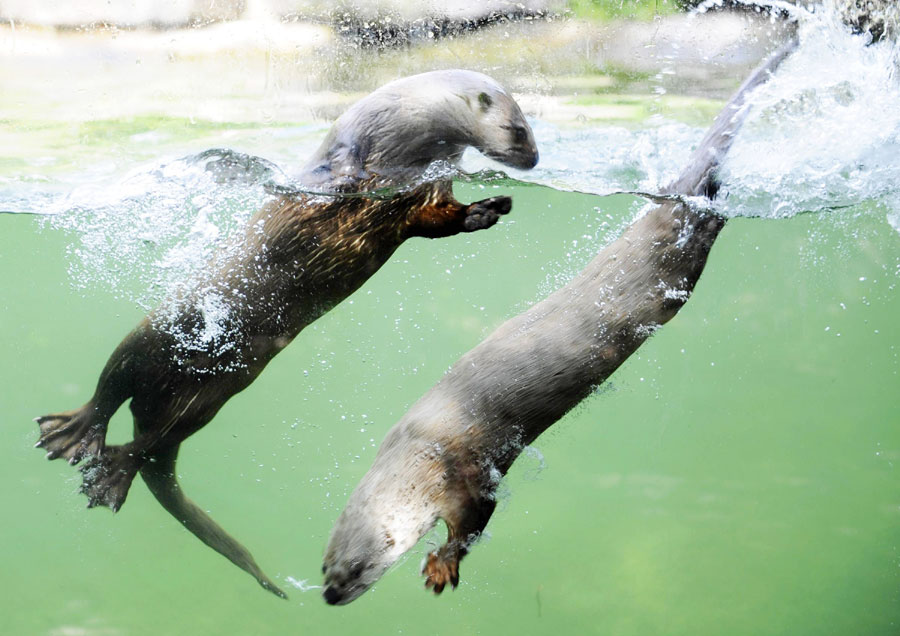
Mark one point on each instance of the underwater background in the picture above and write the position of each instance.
(738, 475)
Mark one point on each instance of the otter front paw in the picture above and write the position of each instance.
(483, 214)
(441, 567)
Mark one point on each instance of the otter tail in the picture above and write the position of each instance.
(159, 475)
(72, 435)
(699, 177)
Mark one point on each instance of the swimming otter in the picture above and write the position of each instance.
(446, 455)
(301, 255)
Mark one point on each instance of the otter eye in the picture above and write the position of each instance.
(520, 135)
(357, 570)
(485, 100)
(324, 568)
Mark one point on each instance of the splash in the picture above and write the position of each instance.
(601, 161)
(820, 135)
(823, 132)
(144, 236)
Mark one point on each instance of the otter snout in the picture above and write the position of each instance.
(332, 596)
(531, 161)
(342, 592)
(346, 579)
(517, 147)
(523, 159)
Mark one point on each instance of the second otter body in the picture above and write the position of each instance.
(445, 457)
(300, 256)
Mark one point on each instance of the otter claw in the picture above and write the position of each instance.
(439, 571)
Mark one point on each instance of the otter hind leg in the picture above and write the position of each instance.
(106, 478)
(72, 435)
(159, 475)
(465, 523)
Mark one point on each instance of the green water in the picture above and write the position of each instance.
(739, 477)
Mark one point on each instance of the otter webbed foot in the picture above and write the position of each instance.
(483, 214)
(73, 435)
(442, 567)
(107, 478)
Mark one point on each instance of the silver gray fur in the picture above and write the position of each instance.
(443, 459)
(397, 131)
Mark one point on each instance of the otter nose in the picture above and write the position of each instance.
(524, 157)
(332, 596)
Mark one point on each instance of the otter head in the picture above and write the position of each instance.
(404, 126)
(385, 517)
(499, 127)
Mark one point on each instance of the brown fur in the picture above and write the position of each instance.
(300, 256)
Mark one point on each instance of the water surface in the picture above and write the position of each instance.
(738, 475)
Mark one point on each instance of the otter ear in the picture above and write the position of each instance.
(485, 101)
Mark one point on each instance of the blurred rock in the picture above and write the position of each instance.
(683, 49)
(390, 17)
(391, 23)
(878, 18)
(410, 10)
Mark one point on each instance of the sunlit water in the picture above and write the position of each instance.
(821, 135)
(737, 476)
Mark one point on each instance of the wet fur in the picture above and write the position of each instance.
(300, 256)
(444, 458)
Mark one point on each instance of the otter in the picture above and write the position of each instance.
(446, 455)
(301, 255)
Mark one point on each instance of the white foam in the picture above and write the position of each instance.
(823, 132)
(145, 236)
